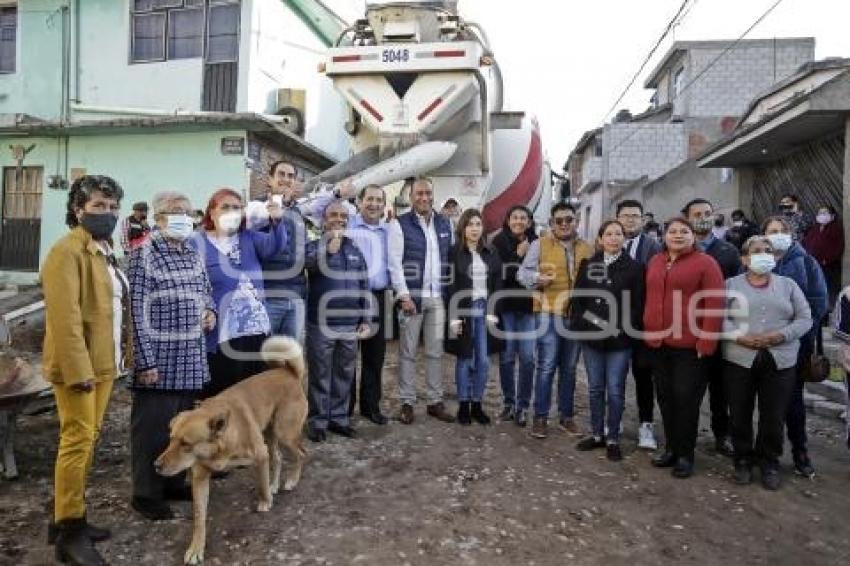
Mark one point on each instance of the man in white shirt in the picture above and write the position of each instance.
(419, 244)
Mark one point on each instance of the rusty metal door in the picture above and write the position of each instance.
(20, 218)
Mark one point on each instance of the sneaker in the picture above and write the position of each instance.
(507, 414)
(613, 453)
(539, 427)
(743, 473)
(569, 425)
(803, 465)
(646, 437)
(521, 418)
(590, 443)
(770, 478)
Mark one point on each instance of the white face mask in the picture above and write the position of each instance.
(823, 218)
(229, 222)
(780, 242)
(762, 263)
(738, 223)
(179, 226)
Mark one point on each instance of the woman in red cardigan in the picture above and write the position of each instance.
(682, 319)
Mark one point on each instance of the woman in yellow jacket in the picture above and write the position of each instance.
(86, 339)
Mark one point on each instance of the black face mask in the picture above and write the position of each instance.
(100, 226)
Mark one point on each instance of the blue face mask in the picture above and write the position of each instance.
(762, 263)
(780, 242)
(179, 226)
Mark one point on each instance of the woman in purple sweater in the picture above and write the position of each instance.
(232, 256)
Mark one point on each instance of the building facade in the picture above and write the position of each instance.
(160, 94)
(700, 90)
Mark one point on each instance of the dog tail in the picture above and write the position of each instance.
(283, 351)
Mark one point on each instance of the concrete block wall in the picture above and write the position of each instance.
(666, 196)
(634, 150)
(591, 168)
(727, 88)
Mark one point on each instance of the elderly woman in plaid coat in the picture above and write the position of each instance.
(172, 309)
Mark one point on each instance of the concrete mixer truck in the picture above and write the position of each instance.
(425, 97)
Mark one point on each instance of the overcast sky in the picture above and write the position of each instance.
(567, 61)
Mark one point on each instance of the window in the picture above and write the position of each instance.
(186, 33)
(223, 33)
(8, 38)
(163, 30)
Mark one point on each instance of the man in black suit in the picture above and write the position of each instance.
(700, 213)
(641, 247)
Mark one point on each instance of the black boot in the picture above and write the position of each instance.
(478, 414)
(96, 534)
(73, 546)
(463, 413)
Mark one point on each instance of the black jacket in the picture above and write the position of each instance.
(461, 262)
(593, 314)
(506, 244)
(727, 256)
(647, 247)
(737, 235)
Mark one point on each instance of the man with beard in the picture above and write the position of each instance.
(700, 213)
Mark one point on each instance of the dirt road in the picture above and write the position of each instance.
(434, 493)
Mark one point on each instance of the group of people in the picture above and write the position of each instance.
(201, 295)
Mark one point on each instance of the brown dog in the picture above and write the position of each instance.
(245, 424)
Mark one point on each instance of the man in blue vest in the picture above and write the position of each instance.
(419, 267)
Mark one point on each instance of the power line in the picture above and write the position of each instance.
(670, 25)
(710, 65)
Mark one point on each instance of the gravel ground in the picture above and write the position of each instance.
(434, 493)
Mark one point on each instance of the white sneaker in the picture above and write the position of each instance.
(646, 437)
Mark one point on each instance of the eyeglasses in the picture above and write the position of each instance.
(288, 175)
(564, 220)
(631, 216)
(226, 206)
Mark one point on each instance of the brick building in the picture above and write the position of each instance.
(700, 90)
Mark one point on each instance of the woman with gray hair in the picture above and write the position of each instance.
(172, 309)
(766, 316)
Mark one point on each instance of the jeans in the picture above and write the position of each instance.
(517, 393)
(606, 377)
(680, 382)
(471, 372)
(555, 351)
(773, 388)
(286, 316)
(795, 419)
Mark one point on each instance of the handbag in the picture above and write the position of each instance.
(816, 368)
